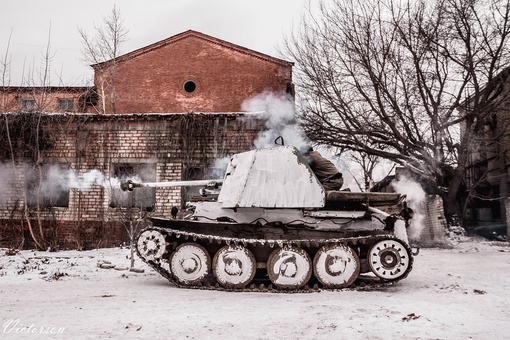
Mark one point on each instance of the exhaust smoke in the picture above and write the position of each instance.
(415, 200)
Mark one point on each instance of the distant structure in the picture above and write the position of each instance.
(488, 171)
(48, 99)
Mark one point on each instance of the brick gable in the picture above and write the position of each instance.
(222, 76)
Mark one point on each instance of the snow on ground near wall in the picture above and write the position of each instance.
(458, 293)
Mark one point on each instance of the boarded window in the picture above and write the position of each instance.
(142, 198)
(27, 104)
(66, 104)
(48, 187)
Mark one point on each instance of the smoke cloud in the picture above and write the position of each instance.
(219, 167)
(68, 179)
(278, 113)
(52, 183)
(415, 200)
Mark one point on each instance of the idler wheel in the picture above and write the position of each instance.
(151, 245)
(336, 266)
(289, 267)
(234, 266)
(190, 263)
(389, 259)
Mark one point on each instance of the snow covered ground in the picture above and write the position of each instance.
(457, 293)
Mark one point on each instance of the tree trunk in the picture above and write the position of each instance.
(132, 243)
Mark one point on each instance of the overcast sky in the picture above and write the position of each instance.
(259, 25)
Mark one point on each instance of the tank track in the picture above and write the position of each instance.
(161, 265)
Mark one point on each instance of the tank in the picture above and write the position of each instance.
(268, 224)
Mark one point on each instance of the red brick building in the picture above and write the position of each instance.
(174, 111)
(187, 72)
(47, 99)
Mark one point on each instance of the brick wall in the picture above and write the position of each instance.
(153, 79)
(84, 143)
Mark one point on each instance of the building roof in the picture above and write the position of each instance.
(194, 34)
(152, 115)
(40, 89)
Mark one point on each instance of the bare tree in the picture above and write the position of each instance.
(387, 77)
(368, 164)
(6, 77)
(23, 134)
(102, 51)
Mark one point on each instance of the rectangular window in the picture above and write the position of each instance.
(49, 187)
(66, 104)
(142, 198)
(28, 104)
(192, 174)
(198, 174)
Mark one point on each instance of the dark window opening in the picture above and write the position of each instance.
(192, 174)
(142, 198)
(487, 206)
(28, 104)
(198, 174)
(190, 86)
(48, 188)
(290, 89)
(66, 104)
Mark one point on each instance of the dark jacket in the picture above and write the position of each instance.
(325, 170)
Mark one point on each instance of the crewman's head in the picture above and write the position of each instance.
(306, 149)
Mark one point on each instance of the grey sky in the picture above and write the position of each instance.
(257, 24)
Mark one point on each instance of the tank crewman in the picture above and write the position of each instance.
(325, 170)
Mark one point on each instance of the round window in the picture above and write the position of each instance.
(190, 86)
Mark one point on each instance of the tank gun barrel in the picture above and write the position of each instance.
(129, 185)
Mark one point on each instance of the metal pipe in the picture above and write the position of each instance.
(129, 185)
(377, 211)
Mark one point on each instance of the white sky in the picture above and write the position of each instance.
(259, 25)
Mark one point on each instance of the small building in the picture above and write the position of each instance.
(48, 99)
